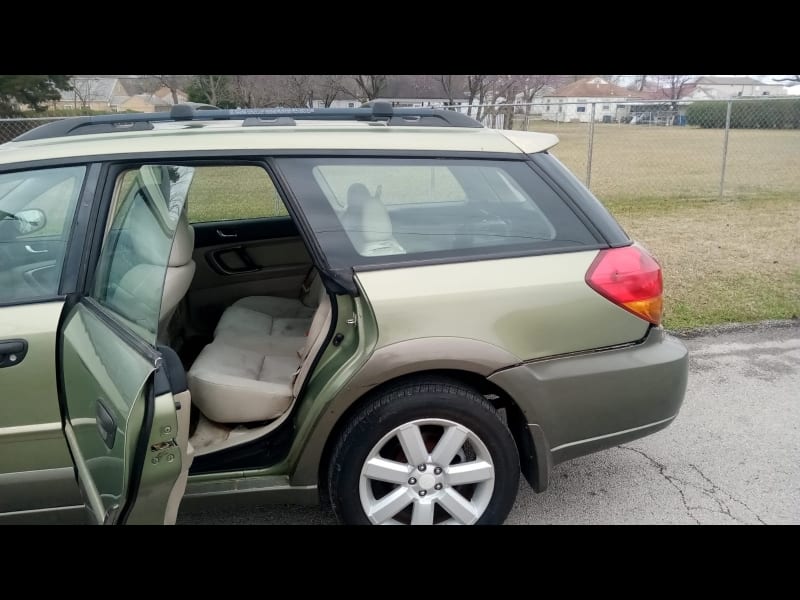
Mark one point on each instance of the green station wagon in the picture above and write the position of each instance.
(392, 311)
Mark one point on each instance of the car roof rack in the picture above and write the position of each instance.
(375, 111)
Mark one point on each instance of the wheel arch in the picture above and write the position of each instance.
(533, 464)
(469, 361)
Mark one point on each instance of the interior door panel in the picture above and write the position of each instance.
(30, 267)
(257, 257)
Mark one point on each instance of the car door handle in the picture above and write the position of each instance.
(222, 234)
(238, 261)
(106, 424)
(12, 352)
(32, 251)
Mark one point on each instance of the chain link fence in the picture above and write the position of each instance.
(655, 149)
(11, 128)
(637, 149)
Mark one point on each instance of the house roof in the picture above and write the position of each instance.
(654, 91)
(137, 85)
(90, 89)
(594, 87)
(101, 89)
(711, 80)
(151, 99)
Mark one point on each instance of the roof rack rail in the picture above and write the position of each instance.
(376, 111)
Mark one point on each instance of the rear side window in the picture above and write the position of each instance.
(378, 210)
(231, 193)
(221, 193)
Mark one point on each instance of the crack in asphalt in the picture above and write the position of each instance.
(670, 479)
(711, 493)
(715, 488)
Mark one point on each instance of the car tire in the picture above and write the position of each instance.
(428, 451)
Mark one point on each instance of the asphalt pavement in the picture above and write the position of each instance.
(731, 456)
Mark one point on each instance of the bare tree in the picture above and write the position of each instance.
(791, 79)
(504, 91)
(240, 91)
(368, 87)
(477, 89)
(215, 87)
(328, 87)
(147, 84)
(641, 82)
(296, 90)
(174, 83)
(256, 91)
(673, 87)
(84, 90)
(452, 86)
(424, 86)
(531, 86)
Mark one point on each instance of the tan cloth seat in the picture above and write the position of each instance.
(238, 319)
(235, 385)
(180, 270)
(368, 225)
(138, 288)
(236, 382)
(272, 315)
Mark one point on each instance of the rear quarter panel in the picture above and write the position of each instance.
(531, 307)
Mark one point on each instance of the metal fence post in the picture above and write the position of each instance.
(591, 146)
(725, 149)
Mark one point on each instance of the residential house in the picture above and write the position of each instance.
(551, 84)
(117, 94)
(337, 103)
(94, 93)
(573, 102)
(710, 87)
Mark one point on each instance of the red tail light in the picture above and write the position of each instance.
(631, 279)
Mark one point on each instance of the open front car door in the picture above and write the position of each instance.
(120, 390)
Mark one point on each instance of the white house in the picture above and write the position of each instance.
(722, 88)
(338, 103)
(573, 102)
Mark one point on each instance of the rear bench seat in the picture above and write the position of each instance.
(260, 356)
(270, 315)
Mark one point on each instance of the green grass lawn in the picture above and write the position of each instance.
(723, 261)
(638, 161)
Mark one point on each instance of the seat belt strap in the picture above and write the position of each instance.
(306, 287)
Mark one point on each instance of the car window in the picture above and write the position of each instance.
(36, 214)
(232, 193)
(392, 185)
(362, 209)
(129, 279)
